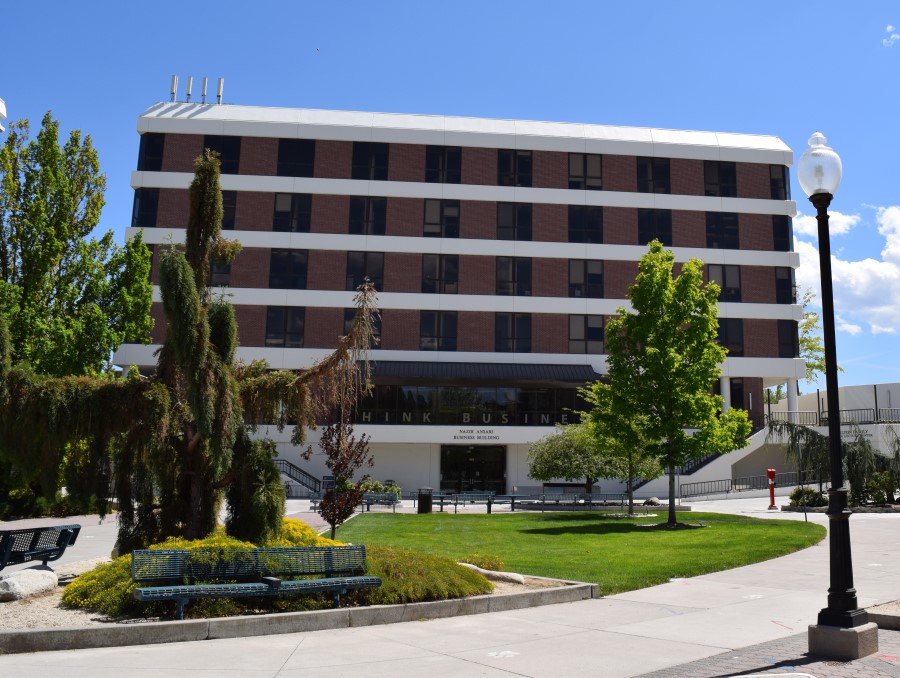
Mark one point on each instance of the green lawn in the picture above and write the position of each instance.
(620, 554)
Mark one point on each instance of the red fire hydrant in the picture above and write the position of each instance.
(771, 475)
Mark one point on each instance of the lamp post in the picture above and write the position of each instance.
(819, 173)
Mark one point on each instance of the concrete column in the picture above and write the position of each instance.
(725, 388)
(792, 400)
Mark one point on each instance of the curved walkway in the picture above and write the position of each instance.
(747, 621)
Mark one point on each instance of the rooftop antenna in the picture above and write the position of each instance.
(219, 90)
(203, 92)
(174, 87)
(190, 85)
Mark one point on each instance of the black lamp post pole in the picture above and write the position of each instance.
(842, 609)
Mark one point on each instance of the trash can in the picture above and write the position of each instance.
(424, 499)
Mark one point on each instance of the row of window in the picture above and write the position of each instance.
(440, 275)
(512, 332)
(292, 213)
(443, 164)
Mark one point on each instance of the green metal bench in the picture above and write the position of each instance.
(380, 498)
(36, 543)
(472, 498)
(183, 575)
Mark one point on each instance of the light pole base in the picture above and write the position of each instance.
(840, 644)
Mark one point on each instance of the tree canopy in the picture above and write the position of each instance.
(572, 452)
(69, 298)
(663, 361)
(178, 444)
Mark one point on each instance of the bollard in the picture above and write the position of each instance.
(771, 475)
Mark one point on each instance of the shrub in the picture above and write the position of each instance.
(485, 561)
(807, 496)
(407, 576)
(372, 485)
(881, 487)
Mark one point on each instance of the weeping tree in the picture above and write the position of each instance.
(178, 445)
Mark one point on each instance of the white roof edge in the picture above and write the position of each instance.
(463, 129)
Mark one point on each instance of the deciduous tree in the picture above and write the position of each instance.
(69, 298)
(663, 360)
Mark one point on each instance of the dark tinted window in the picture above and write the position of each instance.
(440, 273)
(229, 150)
(780, 182)
(585, 224)
(296, 157)
(513, 168)
(731, 335)
(653, 175)
(720, 178)
(229, 208)
(586, 278)
(728, 278)
(513, 276)
(442, 218)
(513, 221)
(362, 265)
(350, 313)
(781, 233)
(370, 161)
(788, 339)
(784, 285)
(512, 332)
(219, 274)
(287, 269)
(722, 230)
(655, 225)
(443, 164)
(368, 215)
(437, 330)
(585, 171)
(150, 155)
(586, 334)
(146, 203)
(284, 326)
(292, 212)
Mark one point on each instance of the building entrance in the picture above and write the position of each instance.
(471, 468)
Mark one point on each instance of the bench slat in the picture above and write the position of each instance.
(37, 543)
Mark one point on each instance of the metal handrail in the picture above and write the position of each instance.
(296, 473)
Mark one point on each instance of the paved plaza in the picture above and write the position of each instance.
(747, 621)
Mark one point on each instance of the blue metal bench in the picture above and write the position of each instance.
(380, 498)
(36, 543)
(183, 575)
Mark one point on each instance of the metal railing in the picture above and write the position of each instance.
(862, 415)
(297, 474)
(805, 418)
(747, 483)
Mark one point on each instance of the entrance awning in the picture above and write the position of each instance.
(498, 374)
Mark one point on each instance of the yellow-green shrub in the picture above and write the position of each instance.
(485, 561)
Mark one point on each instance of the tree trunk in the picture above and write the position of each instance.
(333, 530)
(589, 485)
(630, 484)
(672, 519)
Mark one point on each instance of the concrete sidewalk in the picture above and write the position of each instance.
(751, 620)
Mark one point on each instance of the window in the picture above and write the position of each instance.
(440, 273)
(292, 212)
(728, 278)
(437, 331)
(370, 161)
(780, 182)
(150, 155)
(655, 225)
(722, 230)
(788, 339)
(585, 224)
(781, 233)
(296, 157)
(229, 150)
(442, 218)
(585, 171)
(513, 221)
(350, 313)
(784, 285)
(287, 269)
(219, 274)
(653, 175)
(586, 334)
(443, 164)
(513, 168)
(512, 332)
(368, 216)
(146, 203)
(513, 276)
(720, 178)
(284, 326)
(731, 336)
(229, 208)
(586, 278)
(362, 265)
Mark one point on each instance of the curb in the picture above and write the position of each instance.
(149, 633)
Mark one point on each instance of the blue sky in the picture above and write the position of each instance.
(781, 68)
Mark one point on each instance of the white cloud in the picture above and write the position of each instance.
(842, 325)
(866, 292)
(892, 36)
(838, 224)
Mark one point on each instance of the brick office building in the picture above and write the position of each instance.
(499, 248)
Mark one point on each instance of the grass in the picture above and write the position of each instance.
(620, 554)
